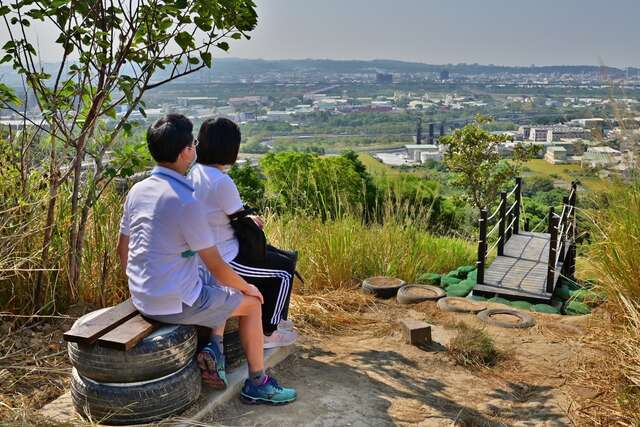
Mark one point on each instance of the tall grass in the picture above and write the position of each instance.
(336, 251)
(615, 260)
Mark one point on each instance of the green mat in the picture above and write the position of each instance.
(575, 308)
(588, 297)
(473, 275)
(521, 305)
(499, 300)
(476, 298)
(447, 281)
(430, 279)
(563, 292)
(545, 308)
(463, 272)
(458, 290)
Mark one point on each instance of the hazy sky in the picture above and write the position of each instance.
(509, 32)
(506, 32)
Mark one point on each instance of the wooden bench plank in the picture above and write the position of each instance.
(89, 331)
(127, 335)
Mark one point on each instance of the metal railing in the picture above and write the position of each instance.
(507, 223)
(562, 231)
(561, 228)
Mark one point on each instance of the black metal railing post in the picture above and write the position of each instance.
(509, 230)
(482, 245)
(572, 247)
(553, 242)
(526, 225)
(518, 195)
(502, 219)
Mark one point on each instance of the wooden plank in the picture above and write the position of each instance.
(127, 335)
(89, 331)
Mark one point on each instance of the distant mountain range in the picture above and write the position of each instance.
(229, 69)
(253, 66)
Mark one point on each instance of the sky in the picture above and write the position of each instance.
(501, 32)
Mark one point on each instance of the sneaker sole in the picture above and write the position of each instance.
(259, 401)
(207, 364)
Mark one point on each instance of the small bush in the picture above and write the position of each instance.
(473, 347)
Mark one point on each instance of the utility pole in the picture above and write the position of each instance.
(419, 131)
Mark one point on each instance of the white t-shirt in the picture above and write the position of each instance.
(166, 225)
(220, 197)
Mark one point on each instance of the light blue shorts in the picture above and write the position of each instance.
(212, 308)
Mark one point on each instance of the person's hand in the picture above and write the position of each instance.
(252, 291)
(259, 222)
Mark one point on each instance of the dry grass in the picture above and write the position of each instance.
(614, 259)
(473, 347)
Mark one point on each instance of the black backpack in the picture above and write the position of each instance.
(251, 238)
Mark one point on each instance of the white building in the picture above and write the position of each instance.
(596, 157)
(424, 152)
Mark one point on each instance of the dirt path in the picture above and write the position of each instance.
(364, 380)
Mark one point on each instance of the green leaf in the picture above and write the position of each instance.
(193, 60)
(184, 40)
(236, 36)
(223, 45)
(206, 58)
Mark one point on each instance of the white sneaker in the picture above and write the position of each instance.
(286, 325)
(280, 338)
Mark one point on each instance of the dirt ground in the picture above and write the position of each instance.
(369, 376)
(365, 380)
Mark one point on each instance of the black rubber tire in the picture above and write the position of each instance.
(136, 403)
(404, 295)
(369, 285)
(526, 320)
(444, 304)
(160, 353)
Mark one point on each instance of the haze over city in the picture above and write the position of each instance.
(544, 32)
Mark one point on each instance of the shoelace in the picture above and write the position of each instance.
(272, 381)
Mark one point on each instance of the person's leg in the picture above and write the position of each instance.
(275, 286)
(251, 336)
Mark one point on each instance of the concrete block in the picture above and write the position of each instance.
(416, 332)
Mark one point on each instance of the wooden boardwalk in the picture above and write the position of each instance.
(522, 270)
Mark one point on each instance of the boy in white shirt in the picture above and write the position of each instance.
(163, 227)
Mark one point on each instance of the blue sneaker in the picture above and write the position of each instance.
(212, 364)
(269, 392)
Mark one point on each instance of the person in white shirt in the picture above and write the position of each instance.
(163, 227)
(218, 146)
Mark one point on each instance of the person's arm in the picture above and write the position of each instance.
(230, 201)
(123, 251)
(122, 248)
(225, 274)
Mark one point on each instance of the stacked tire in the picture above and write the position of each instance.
(157, 378)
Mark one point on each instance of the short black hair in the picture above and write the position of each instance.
(218, 142)
(168, 136)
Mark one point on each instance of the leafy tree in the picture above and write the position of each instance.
(318, 186)
(249, 182)
(472, 155)
(111, 54)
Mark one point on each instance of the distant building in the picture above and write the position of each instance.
(556, 133)
(423, 152)
(556, 155)
(444, 75)
(242, 100)
(596, 157)
(525, 131)
(382, 78)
